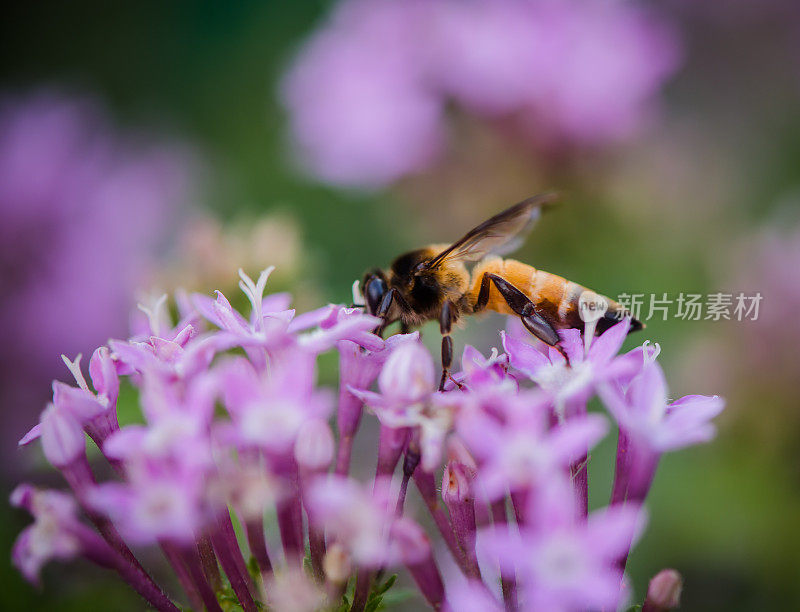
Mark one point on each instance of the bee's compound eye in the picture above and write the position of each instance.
(374, 291)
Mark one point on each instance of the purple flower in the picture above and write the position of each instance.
(62, 436)
(479, 372)
(664, 591)
(246, 485)
(55, 534)
(490, 54)
(96, 412)
(417, 555)
(647, 416)
(358, 368)
(269, 409)
(270, 330)
(458, 494)
(367, 93)
(576, 72)
(337, 325)
(409, 376)
(314, 445)
(178, 437)
(266, 328)
(572, 383)
(598, 68)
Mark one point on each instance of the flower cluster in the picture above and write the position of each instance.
(72, 185)
(237, 436)
(368, 92)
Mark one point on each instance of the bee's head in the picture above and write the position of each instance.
(374, 288)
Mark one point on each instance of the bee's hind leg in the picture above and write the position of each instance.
(522, 306)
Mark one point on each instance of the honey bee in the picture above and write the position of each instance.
(434, 283)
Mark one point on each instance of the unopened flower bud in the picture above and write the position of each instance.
(336, 564)
(457, 493)
(456, 484)
(390, 446)
(408, 373)
(314, 446)
(664, 592)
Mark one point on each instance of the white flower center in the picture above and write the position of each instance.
(563, 381)
(561, 562)
(272, 424)
(48, 539)
(525, 459)
(161, 437)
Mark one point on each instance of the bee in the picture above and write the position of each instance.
(434, 283)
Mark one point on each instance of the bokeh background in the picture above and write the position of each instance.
(149, 146)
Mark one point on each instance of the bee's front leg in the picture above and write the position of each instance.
(393, 296)
(383, 312)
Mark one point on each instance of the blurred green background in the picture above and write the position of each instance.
(685, 207)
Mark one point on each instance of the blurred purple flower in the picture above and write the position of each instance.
(598, 68)
(357, 517)
(360, 112)
(268, 409)
(56, 533)
(367, 94)
(154, 504)
(84, 209)
(522, 451)
(563, 563)
(650, 425)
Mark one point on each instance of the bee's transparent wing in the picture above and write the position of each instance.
(499, 235)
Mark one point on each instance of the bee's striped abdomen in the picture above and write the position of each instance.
(556, 298)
